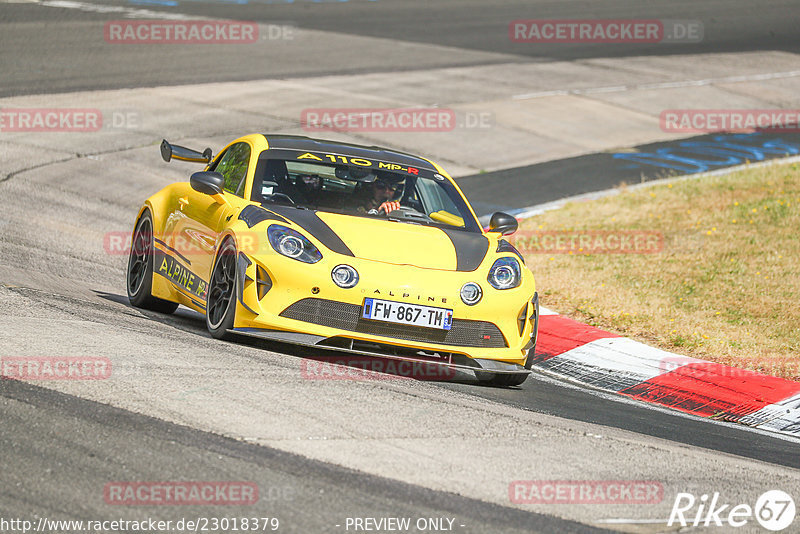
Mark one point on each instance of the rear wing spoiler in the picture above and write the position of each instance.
(170, 151)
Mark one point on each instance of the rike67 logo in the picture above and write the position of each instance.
(774, 510)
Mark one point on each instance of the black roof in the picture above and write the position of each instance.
(299, 142)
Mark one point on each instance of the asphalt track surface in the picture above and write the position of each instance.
(540, 183)
(314, 496)
(85, 444)
(40, 56)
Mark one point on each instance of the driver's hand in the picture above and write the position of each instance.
(389, 207)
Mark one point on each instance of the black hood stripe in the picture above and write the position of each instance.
(470, 247)
(505, 246)
(311, 223)
(252, 215)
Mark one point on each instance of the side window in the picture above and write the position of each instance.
(233, 167)
(435, 198)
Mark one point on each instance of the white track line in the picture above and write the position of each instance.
(660, 85)
(127, 12)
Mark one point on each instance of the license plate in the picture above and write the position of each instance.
(404, 313)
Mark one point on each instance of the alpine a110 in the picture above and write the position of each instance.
(339, 246)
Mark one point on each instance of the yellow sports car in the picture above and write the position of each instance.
(355, 248)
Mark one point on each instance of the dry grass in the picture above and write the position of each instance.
(726, 286)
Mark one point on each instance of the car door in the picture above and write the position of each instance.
(200, 217)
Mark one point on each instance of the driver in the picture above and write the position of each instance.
(381, 194)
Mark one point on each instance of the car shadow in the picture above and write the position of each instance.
(318, 363)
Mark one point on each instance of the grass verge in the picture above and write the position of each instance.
(719, 278)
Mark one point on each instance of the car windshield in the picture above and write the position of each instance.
(353, 190)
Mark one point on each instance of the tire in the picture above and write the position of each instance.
(504, 380)
(221, 298)
(139, 278)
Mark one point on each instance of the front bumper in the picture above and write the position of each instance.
(455, 361)
(281, 299)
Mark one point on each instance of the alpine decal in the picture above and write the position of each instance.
(172, 270)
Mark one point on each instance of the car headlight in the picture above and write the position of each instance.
(292, 244)
(344, 276)
(471, 293)
(505, 274)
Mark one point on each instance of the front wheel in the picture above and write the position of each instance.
(139, 280)
(221, 299)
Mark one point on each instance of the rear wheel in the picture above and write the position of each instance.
(502, 380)
(139, 279)
(221, 300)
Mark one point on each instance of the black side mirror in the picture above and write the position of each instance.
(503, 222)
(207, 182)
